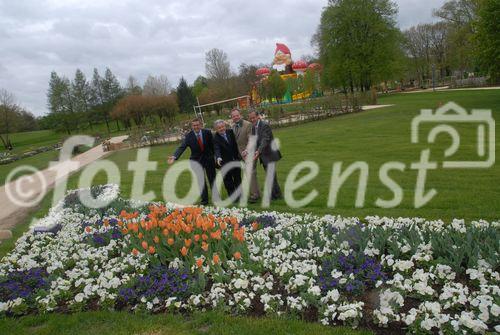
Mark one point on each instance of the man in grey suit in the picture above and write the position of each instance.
(242, 131)
(265, 151)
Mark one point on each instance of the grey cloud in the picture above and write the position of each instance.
(151, 37)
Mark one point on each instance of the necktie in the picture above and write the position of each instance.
(200, 142)
(225, 137)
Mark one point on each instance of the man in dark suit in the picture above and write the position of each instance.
(226, 151)
(266, 149)
(200, 141)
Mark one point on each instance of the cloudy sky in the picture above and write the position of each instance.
(155, 37)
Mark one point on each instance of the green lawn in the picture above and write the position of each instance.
(127, 323)
(375, 136)
(27, 141)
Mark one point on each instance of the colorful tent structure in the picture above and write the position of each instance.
(291, 72)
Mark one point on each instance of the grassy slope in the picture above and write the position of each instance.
(375, 136)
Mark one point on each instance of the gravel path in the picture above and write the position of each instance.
(31, 188)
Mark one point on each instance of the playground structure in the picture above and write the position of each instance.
(294, 75)
(242, 102)
(302, 81)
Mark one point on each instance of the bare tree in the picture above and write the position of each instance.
(217, 65)
(156, 86)
(7, 109)
(459, 12)
(418, 46)
(438, 35)
(133, 86)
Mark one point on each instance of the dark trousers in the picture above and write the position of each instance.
(208, 173)
(232, 180)
(276, 190)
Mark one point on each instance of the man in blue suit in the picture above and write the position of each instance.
(226, 152)
(200, 141)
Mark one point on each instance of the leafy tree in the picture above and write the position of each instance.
(277, 86)
(98, 98)
(488, 38)
(358, 42)
(112, 92)
(309, 81)
(185, 96)
(82, 97)
(61, 104)
(105, 92)
(199, 84)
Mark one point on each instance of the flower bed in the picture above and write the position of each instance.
(391, 275)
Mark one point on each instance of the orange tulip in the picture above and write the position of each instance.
(124, 231)
(187, 242)
(105, 223)
(151, 250)
(170, 241)
(140, 235)
(135, 252)
(237, 255)
(216, 259)
(165, 232)
(204, 237)
(88, 229)
(144, 244)
(255, 225)
(184, 251)
(196, 237)
(223, 225)
(216, 235)
(199, 262)
(204, 246)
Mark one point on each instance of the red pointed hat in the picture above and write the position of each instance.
(283, 48)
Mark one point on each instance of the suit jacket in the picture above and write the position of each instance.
(265, 140)
(227, 150)
(204, 157)
(242, 134)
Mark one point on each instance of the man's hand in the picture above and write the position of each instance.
(219, 161)
(244, 153)
(256, 155)
(171, 160)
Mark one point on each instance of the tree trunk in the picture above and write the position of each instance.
(4, 142)
(107, 122)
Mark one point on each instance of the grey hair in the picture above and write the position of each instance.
(217, 122)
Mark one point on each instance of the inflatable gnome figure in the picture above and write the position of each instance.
(282, 59)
